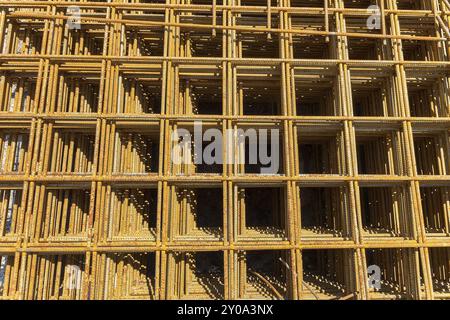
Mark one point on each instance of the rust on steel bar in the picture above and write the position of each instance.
(22, 14)
(97, 200)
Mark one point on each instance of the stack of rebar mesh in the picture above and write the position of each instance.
(93, 204)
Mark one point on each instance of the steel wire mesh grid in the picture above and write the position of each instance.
(93, 205)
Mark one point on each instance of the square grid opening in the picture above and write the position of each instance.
(71, 151)
(395, 273)
(200, 96)
(385, 211)
(63, 280)
(76, 94)
(196, 214)
(17, 92)
(265, 274)
(197, 275)
(135, 151)
(65, 215)
(432, 152)
(11, 210)
(144, 41)
(139, 94)
(321, 151)
(8, 272)
(129, 276)
(13, 150)
(23, 37)
(440, 271)
(373, 97)
(427, 98)
(132, 213)
(316, 95)
(259, 98)
(380, 152)
(328, 274)
(324, 211)
(261, 213)
(197, 150)
(435, 201)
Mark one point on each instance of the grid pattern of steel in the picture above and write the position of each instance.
(92, 205)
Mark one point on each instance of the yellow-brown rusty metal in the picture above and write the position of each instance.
(94, 205)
